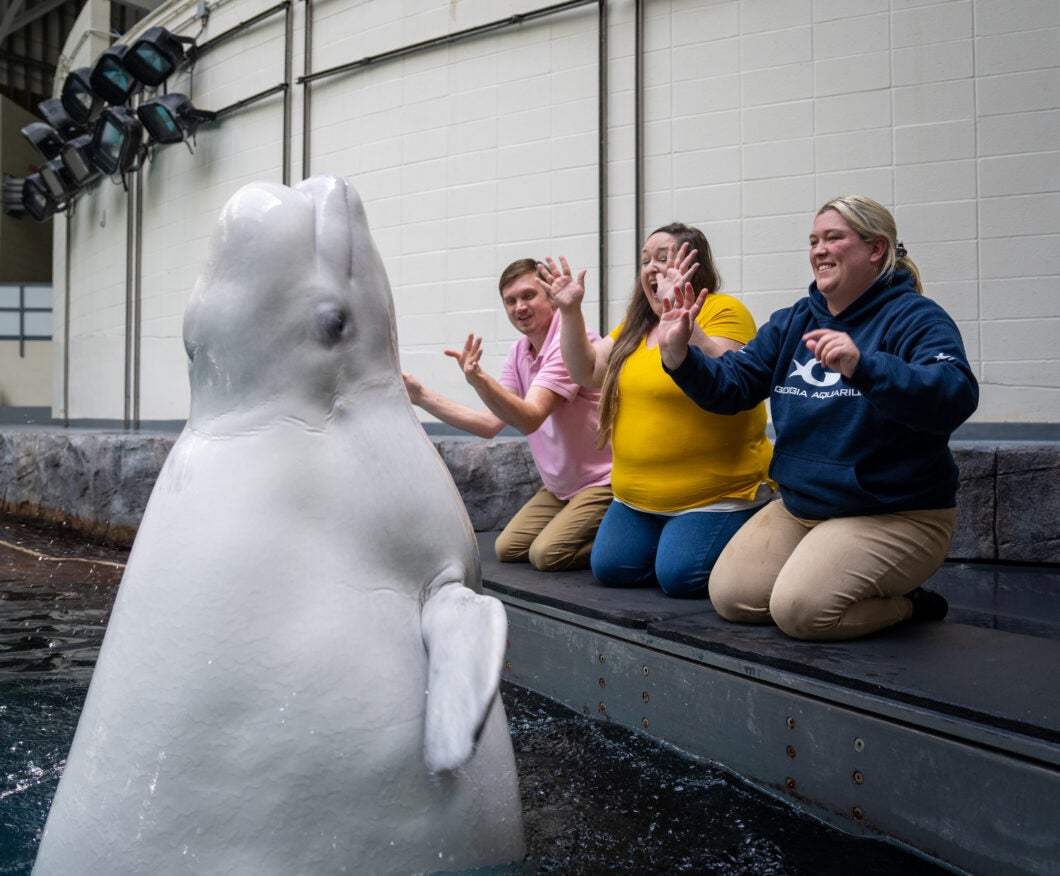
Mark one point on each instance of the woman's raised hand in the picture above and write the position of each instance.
(676, 322)
(566, 290)
(681, 266)
(833, 349)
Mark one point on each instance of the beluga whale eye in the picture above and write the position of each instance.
(330, 323)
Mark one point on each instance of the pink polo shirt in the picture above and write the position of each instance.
(563, 445)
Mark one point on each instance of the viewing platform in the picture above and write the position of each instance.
(941, 737)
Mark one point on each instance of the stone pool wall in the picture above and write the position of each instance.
(98, 483)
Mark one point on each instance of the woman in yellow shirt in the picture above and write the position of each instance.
(684, 480)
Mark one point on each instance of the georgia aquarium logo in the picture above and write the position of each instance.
(807, 373)
(828, 378)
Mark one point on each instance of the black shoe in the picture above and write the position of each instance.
(927, 605)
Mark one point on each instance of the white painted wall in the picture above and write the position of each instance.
(25, 375)
(479, 152)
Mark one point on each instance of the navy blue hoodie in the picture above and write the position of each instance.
(874, 444)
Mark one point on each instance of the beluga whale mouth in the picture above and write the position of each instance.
(300, 673)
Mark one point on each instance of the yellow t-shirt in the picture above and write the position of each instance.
(669, 453)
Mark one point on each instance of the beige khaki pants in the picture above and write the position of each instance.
(828, 579)
(554, 535)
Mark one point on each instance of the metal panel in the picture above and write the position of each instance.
(964, 805)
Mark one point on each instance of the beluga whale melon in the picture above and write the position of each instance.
(300, 675)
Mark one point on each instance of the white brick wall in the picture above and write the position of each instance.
(473, 154)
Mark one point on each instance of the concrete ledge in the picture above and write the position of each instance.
(1008, 507)
(95, 483)
(98, 483)
(495, 478)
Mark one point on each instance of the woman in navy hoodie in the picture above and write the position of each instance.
(866, 380)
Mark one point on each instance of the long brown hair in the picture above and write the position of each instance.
(640, 319)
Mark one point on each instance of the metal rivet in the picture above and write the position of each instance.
(790, 750)
(602, 707)
(859, 744)
(859, 814)
(858, 777)
(644, 669)
(603, 659)
(603, 682)
(644, 696)
(790, 722)
(644, 723)
(508, 665)
(790, 782)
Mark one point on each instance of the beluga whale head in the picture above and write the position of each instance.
(293, 307)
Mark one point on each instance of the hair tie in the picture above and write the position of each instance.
(900, 251)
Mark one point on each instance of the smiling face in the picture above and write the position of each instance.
(652, 261)
(529, 307)
(843, 264)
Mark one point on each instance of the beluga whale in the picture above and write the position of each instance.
(300, 674)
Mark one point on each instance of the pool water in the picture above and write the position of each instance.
(596, 798)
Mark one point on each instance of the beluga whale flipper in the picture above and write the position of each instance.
(300, 674)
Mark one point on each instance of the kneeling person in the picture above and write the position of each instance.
(535, 394)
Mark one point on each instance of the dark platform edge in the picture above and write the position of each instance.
(972, 672)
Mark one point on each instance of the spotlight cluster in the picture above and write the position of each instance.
(92, 130)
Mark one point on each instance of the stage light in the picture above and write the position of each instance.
(155, 55)
(78, 99)
(37, 199)
(116, 140)
(171, 118)
(44, 138)
(12, 196)
(109, 78)
(60, 182)
(55, 114)
(77, 159)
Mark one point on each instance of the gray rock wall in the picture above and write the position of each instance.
(1008, 507)
(99, 483)
(1027, 517)
(495, 478)
(95, 483)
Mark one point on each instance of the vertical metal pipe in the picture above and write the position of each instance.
(288, 65)
(130, 248)
(307, 67)
(138, 296)
(21, 321)
(638, 123)
(602, 161)
(66, 325)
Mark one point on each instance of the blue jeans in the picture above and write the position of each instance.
(635, 548)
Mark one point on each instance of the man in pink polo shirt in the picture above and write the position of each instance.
(535, 394)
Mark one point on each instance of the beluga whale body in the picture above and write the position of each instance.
(299, 675)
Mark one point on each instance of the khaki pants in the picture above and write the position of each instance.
(828, 579)
(554, 535)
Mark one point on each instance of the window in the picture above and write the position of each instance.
(25, 313)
